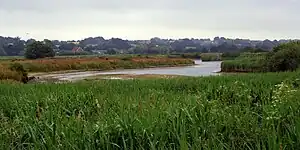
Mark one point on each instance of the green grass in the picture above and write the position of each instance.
(246, 62)
(252, 111)
(10, 57)
(211, 56)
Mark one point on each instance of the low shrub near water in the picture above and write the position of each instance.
(254, 111)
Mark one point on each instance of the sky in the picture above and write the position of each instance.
(144, 19)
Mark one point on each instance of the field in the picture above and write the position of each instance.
(251, 111)
(246, 62)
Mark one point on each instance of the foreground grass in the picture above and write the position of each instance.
(255, 111)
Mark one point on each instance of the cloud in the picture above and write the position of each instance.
(73, 19)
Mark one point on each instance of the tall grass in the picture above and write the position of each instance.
(211, 56)
(254, 111)
(246, 62)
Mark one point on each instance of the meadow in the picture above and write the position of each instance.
(250, 111)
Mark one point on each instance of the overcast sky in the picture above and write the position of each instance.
(143, 19)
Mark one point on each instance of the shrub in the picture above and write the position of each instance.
(20, 70)
(7, 73)
(285, 57)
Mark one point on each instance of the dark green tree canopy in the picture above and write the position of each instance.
(39, 49)
(285, 57)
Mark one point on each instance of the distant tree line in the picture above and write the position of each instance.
(13, 46)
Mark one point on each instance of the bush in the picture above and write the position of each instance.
(14, 72)
(285, 57)
(38, 49)
(20, 70)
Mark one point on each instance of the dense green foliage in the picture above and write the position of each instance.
(247, 50)
(255, 111)
(39, 49)
(14, 46)
(285, 57)
(246, 62)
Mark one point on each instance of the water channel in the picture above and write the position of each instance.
(199, 69)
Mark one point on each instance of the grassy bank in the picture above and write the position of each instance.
(97, 63)
(13, 72)
(253, 111)
(246, 62)
(8, 74)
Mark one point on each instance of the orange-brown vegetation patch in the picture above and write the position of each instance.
(97, 63)
(8, 74)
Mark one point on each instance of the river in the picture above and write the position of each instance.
(199, 69)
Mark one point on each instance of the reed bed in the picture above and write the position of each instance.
(251, 111)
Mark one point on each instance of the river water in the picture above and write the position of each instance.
(199, 69)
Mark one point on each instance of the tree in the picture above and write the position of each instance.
(14, 49)
(39, 49)
(67, 46)
(285, 57)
